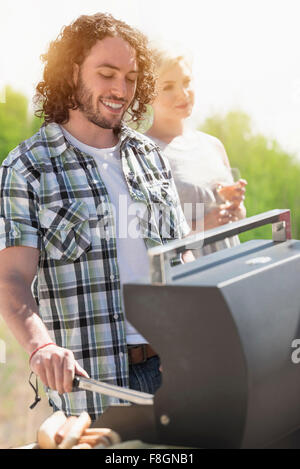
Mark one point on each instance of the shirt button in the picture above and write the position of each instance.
(112, 277)
(89, 166)
(121, 354)
(116, 316)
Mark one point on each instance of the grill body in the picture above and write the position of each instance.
(225, 337)
(223, 326)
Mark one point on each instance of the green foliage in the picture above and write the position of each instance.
(15, 123)
(273, 175)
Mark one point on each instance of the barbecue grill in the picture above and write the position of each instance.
(223, 326)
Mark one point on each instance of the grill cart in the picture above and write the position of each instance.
(223, 326)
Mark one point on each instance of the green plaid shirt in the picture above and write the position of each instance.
(53, 199)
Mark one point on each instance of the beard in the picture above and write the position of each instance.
(84, 102)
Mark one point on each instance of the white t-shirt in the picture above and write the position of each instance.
(133, 260)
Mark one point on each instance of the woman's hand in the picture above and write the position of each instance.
(234, 193)
(219, 215)
(237, 212)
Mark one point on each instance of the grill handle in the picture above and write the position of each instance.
(162, 256)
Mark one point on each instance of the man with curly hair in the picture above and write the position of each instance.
(65, 210)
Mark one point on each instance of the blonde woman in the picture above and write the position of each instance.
(198, 161)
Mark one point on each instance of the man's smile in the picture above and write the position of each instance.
(113, 106)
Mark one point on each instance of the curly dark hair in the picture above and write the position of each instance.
(55, 93)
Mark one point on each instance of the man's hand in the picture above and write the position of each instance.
(56, 367)
(188, 256)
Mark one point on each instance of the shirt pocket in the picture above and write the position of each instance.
(66, 230)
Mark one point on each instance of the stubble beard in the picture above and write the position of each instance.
(84, 101)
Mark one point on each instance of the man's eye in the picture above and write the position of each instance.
(132, 80)
(168, 88)
(105, 76)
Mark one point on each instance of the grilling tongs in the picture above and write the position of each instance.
(136, 397)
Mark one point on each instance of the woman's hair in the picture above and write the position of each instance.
(167, 54)
(55, 93)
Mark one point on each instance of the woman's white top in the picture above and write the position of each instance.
(198, 167)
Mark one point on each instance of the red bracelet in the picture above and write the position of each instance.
(39, 348)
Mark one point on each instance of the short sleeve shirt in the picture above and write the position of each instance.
(53, 199)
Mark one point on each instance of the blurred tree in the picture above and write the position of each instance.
(273, 175)
(16, 124)
(35, 124)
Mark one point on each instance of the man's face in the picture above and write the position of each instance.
(106, 82)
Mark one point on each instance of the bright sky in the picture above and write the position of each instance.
(246, 52)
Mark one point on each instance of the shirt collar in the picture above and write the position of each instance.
(53, 139)
(56, 143)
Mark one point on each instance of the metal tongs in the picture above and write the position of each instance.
(136, 397)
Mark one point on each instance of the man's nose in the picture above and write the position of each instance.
(119, 88)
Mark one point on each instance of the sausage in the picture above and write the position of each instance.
(48, 429)
(94, 440)
(82, 446)
(76, 430)
(112, 437)
(64, 429)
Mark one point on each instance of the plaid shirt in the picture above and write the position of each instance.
(53, 199)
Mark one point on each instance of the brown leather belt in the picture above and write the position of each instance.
(139, 353)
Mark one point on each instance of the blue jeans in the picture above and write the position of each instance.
(145, 376)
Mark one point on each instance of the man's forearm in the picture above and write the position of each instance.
(54, 365)
(20, 312)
